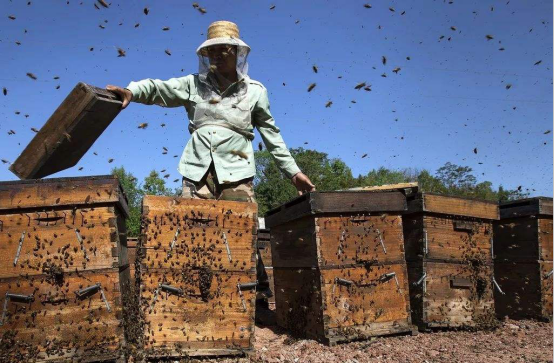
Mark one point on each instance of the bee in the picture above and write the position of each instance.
(489, 37)
(33, 129)
(396, 70)
(165, 28)
(103, 3)
(367, 6)
(32, 76)
(11, 17)
(508, 86)
(314, 67)
(168, 52)
(453, 28)
(202, 10)
(272, 7)
(328, 104)
(143, 125)
(364, 155)
(146, 11)
(360, 86)
(239, 153)
(5, 91)
(120, 52)
(110, 160)
(311, 87)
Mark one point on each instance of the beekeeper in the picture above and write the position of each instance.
(223, 106)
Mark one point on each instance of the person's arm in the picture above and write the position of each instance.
(271, 136)
(171, 93)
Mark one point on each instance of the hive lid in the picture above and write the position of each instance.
(526, 207)
(336, 202)
(67, 135)
(23, 195)
(451, 205)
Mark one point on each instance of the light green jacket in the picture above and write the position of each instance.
(225, 147)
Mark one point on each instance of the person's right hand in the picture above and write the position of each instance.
(123, 93)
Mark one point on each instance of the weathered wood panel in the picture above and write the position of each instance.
(457, 238)
(546, 289)
(298, 299)
(62, 192)
(208, 312)
(67, 135)
(359, 239)
(545, 238)
(190, 233)
(527, 288)
(346, 202)
(526, 207)
(452, 295)
(59, 240)
(443, 204)
(264, 249)
(516, 239)
(80, 328)
(363, 296)
(293, 244)
(447, 238)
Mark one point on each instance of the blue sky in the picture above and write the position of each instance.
(448, 99)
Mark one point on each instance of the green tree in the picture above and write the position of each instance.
(134, 199)
(154, 185)
(273, 188)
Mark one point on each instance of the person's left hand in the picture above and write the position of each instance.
(302, 183)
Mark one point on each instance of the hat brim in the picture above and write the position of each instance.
(218, 41)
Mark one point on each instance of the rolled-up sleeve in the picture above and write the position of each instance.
(171, 93)
(271, 135)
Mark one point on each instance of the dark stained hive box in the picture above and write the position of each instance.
(67, 135)
(264, 248)
(449, 255)
(197, 276)
(523, 264)
(63, 270)
(338, 264)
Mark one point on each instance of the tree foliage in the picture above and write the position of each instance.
(273, 189)
(152, 185)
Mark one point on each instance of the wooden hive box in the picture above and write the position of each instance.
(338, 264)
(449, 255)
(197, 276)
(67, 135)
(63, 269)
(523, 264)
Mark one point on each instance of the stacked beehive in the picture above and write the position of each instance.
(339, 267)
(197, 276)
(449, 256)
(63, 270)
(523, 264)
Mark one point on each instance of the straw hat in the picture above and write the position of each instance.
(222, 32)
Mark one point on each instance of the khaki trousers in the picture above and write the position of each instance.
(240, 191)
